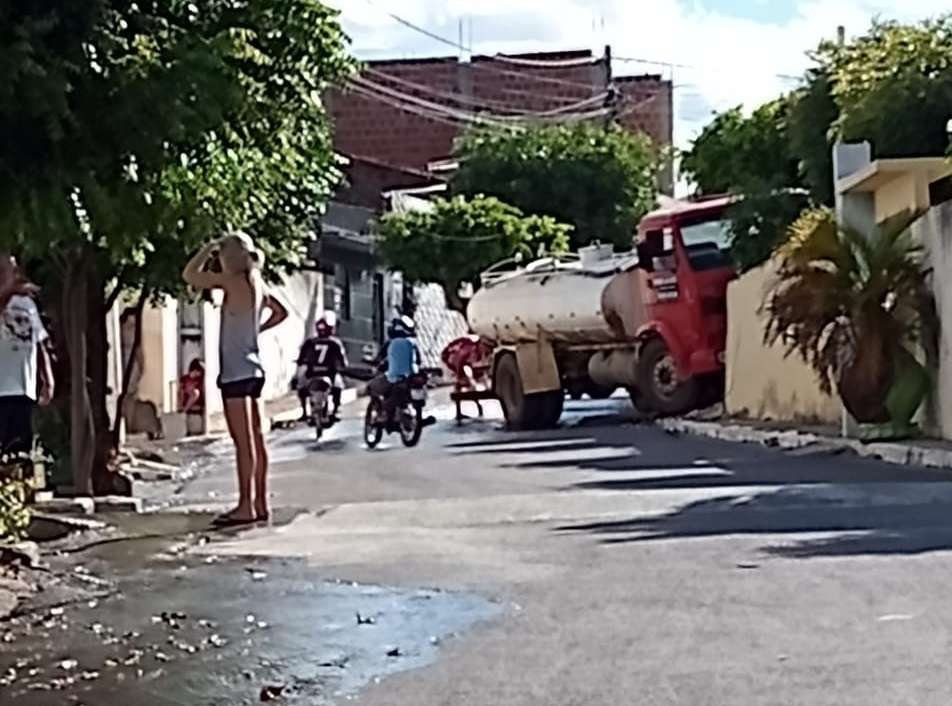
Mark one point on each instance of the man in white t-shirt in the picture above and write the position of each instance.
(26, 376)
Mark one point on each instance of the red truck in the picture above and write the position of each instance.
(653, 320)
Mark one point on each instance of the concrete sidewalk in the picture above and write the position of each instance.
(928, 453)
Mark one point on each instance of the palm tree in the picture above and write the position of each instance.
(856, 308)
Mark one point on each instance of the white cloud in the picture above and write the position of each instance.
(729, 60)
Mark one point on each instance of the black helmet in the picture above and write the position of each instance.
(402, 327)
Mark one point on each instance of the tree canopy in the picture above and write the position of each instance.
(459, 238)
(735, 151)
(751, 157)
(893, 87)
(599, 180)
(131, 123)
(133, 130)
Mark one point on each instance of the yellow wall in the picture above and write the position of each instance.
(761, 382)
(908, 192)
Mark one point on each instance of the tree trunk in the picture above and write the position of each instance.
(453, 300)
(97, 342)
(130, 364)
(74, 324)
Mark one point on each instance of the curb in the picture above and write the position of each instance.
(888, 452)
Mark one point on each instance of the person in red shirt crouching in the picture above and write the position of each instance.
(469, 359)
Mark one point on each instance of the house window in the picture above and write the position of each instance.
(345, 295)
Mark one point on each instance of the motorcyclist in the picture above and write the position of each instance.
(403, 360)
(321, 356)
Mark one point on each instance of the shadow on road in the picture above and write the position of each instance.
(842, 505)
(643, 457)
(849, 528)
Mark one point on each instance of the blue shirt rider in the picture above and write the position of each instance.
(402, 354)
(403, 359)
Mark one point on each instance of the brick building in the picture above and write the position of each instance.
(407, 113)
(401, 117)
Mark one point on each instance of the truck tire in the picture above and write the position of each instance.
(550, 408)
(659, 390)
(524, 412)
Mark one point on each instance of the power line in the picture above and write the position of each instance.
(487, 102)
(481, 65)
(416, 28)
(459, 114)
(543, 63)
(448, 116)
(456, 117)
(370, 95)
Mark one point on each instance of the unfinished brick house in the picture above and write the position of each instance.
(407, 113)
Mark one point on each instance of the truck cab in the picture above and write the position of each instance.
(684, 255)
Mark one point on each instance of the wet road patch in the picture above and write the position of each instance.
(228, 632)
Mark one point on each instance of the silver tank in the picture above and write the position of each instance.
(594, 297)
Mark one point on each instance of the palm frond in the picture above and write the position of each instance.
(845, 301)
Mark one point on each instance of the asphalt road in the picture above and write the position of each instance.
(631, 566)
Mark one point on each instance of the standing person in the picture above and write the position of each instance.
(26, 375)
(241, 380)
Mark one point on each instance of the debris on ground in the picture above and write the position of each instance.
(272, 693)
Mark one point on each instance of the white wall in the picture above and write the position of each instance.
(934, 231)
(302, 294)
(160, 353)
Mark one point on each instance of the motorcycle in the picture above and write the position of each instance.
(320, 397)
(407, 401)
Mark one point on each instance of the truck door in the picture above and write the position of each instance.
(668, 293)
(706, 272)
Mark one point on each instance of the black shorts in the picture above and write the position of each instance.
(16, 425)
(239, 389)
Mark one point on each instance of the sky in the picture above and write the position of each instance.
(725, 52)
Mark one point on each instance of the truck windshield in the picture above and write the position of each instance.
(707, 244)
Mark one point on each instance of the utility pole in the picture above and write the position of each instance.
(612, 98)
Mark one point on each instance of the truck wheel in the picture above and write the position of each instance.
(522, 411)
(550, 408)
(659, 389)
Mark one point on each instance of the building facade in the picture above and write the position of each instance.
(409, 113)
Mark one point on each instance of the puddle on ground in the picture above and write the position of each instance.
(188, 632)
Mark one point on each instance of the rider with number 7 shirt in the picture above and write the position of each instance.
(322, 356)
